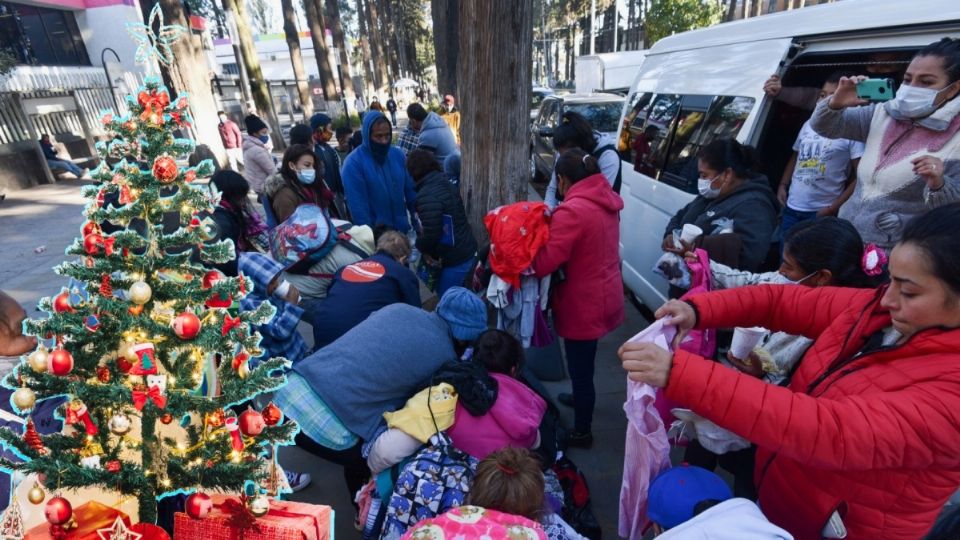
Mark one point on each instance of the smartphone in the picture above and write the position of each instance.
(875, 90)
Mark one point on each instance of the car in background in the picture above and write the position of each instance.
(601, 110)
(536, 98)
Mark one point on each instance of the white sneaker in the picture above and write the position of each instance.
(297, 481)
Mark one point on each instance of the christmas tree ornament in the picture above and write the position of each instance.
(58, 510)
(135, 310)
(118, 531)
(38, 360)
(198, 505)
(258, 505)
(186, 325)
(106, 290)
(243, 370)
(33, 440)
(113, 466)
(61, 303)
(11, 523)
(103, 374)
(216, 418)
(272, 415)
(146, 361)
(229, 323)
(125, 198)
(89, 228)
(60, 362)
(24, 399)
(36, 495)
(165, 169)
(140, 292)
(77, 413)
(251, 423)
(141, 395)
(241, 364)
(159, 382)
(166, 418)
(210, 279)
(233, 428)
(91, 323)
(92, 243)
(119, 424)
(91, 462)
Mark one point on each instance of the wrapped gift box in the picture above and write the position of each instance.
(285, 521)
(89, 516)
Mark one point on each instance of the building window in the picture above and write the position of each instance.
(231, 69)
(41, 36)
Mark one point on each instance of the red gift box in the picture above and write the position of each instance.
(285, 521)
(89, 517)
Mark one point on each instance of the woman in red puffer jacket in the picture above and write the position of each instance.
(587, 303)
(865, 437)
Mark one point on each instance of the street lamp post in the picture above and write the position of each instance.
(106, 73)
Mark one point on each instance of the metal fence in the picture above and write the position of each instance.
(14, 125)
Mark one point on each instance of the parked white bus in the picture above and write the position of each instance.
(708, 84)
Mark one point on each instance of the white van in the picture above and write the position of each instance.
(708, 84)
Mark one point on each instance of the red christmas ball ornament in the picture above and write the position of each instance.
(210, 279)
(251, 423)
(124, 365)
(165, 169)
(186, 325)
(113, 466)
(60, 362)
(198, 505)
(92, 243)
(61, 303)
(89, 228)
(272, 415)
(216, 418)
(190, 175)
(103, 374)
(58, 511)
(166, 418)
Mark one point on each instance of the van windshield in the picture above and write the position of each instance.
(603, 117)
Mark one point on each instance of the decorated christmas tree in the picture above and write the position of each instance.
(147, 345)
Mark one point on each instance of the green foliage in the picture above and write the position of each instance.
(8, 61)
(667, 17)
(140, 173)
(353, 121)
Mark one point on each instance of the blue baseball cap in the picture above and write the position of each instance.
(677, 491)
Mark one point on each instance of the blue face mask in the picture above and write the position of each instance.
(264, 138)
(307, 176)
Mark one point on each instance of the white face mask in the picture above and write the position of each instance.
(799, 281)
(704, 187)
(916, 102)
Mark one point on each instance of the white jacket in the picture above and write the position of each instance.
(734, 519)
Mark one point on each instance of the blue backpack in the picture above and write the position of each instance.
(304, 238)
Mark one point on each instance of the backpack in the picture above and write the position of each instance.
(436, 479)
(597, 152)
(577, 510)
(307, 237)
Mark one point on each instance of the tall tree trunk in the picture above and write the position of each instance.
(377, 45)
(333, 11)
(390, 25)
(194, 82)
(495, 170)
(732, 10)
(372, 76)
(318, 35)
(258, 85)
(446, 43)
(293, 42)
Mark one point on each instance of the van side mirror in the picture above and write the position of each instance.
(546, 131)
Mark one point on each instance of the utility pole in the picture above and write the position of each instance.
(616, 23)
(593, 18)
(237, 56)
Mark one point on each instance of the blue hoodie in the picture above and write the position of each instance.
(378, 193)
(436, 134)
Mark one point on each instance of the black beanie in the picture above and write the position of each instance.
(254, 124)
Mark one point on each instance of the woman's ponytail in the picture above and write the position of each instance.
(575, 165)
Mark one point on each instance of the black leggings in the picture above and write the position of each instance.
(355, 470)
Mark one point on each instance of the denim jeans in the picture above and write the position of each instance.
(788, 219)
(581, 359)
(68, 166)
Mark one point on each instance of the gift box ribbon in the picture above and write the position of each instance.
(278, 510)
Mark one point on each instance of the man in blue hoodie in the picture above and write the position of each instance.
(378, 188)
(435, 134)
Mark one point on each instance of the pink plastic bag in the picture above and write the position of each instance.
(647, 451)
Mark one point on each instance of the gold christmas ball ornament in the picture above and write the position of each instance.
(36, 495)
(259, 505)
(140, 292)
(38, 360)
(24, 399)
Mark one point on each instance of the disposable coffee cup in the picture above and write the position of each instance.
(690, 233)
(744, 341)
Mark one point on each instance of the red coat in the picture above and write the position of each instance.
(230, 134)
(585, 242)
(874, 436)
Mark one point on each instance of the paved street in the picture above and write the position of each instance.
(50, 216)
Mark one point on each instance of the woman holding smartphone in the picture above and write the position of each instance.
(911, 163)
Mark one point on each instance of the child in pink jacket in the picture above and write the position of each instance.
(514, 419)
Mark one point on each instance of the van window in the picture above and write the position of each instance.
(685, 124)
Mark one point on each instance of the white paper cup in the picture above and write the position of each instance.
(690, 233)
(744, 340)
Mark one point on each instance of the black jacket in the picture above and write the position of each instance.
(436, 196)
(753, 209)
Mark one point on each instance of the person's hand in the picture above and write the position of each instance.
(828, 211)
(929, 168)
(750, 365)
(690, 257)
(772, 86)
(670, 247)
(782, 194)
(681, 315)
(846, 94)
(646, 363)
